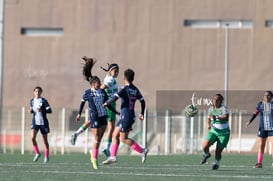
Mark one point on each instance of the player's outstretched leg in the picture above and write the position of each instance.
(78, 132)
(73, 138)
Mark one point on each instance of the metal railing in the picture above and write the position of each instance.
(162, 131)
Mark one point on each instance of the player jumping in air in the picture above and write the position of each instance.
(111, 87)
(95, 96)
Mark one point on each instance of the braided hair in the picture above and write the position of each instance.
(110, 67)
(87, 70)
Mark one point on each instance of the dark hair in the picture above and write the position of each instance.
(87, 69)
(110, 67)
(129, 75)
(269, 92)
(39, 88)
(220, 96)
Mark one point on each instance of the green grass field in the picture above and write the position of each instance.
(76, 167)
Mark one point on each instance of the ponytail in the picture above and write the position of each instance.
(87, 69)
(110, 67)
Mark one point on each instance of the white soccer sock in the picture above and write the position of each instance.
(217, 162)
(79, 131)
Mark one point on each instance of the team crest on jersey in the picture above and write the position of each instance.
(96, 123)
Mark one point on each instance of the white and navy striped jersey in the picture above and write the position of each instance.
(95, 99)
(266, 115)
(39, 118)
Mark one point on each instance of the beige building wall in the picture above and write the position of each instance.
(148, 36)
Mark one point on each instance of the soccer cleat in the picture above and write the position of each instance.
(258, 165)
(215, 167)
(37, 156)
(111, 159)
(94, 161)
(205, 157)
(106, 152)
(144, 155)
(73, 138)
(46, 160)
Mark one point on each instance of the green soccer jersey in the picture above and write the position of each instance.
(112, 86)
(219, 131)
(220, 126)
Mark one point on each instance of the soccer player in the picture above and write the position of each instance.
(95, 96)
(83, 127)
(219, 131)
(39, 107)
(129, 94)
(265, 108)
(111, 87)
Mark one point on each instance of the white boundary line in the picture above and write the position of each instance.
(136, 171)
(209, 175)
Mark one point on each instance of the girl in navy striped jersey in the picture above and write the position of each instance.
(111, 87)
(95, 96)
(265, 108)
(39, 107)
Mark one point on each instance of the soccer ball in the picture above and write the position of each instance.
(190, 110)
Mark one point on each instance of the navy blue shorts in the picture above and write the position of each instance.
(264, 133)
(126, 122)
(43, 128)
(97, 122)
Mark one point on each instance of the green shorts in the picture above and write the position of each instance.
(111, 116)
(220, 137)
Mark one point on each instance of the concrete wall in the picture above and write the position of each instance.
(146, 35)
